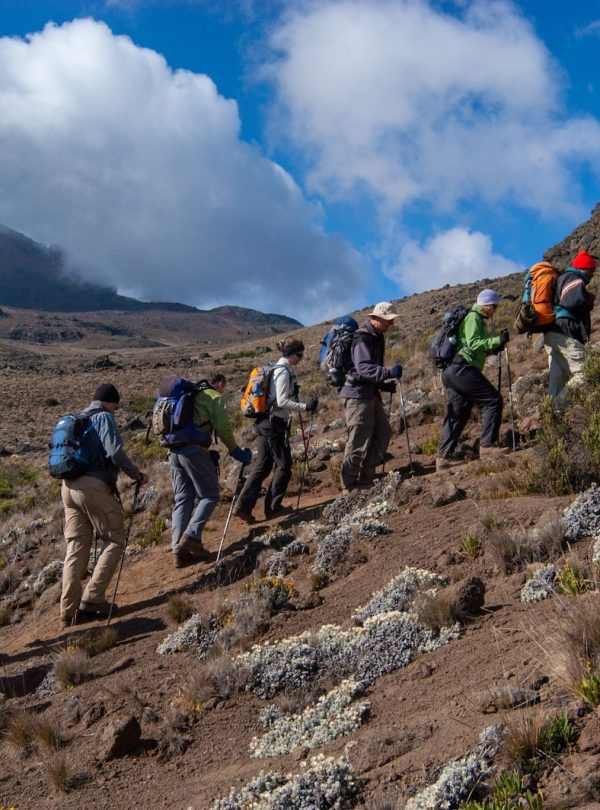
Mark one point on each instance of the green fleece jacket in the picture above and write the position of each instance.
(210, 414)
(474, 341)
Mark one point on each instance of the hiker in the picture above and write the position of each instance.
(273, 436)
(466, 385)
(367, 422)
(194, 476)
(565, 337)
(92, 503)
(218, 381)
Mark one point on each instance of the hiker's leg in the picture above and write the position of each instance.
(483, 394)
(78, 536)
(282, 458)
(458, 411)
(203, 475)
(380, 439)
(558, 366)
(108, 519)
(183, 499)
(360, 422)
(262, 465)
(574, 354)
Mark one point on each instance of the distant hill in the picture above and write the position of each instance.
(33, 276)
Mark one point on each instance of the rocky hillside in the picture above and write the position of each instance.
(428, 642)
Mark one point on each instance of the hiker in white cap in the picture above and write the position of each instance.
(367, 422)
(466, 385)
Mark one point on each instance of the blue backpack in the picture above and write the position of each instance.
(336, 358)
(74, 446)
(173, 412)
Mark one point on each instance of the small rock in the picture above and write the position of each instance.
(119, 737)
(121, 664)
(446, 493)
(467, 596)
(589, 739)
(309, 602)
(505, 697)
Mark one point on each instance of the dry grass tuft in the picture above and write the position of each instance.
(21, 732)
(435, 611)
(179, 608)
(222, 677)
(512, 548)
(6, 614)
(522, 736)
(72, 667)
(95, 642)
(57, 772)
(48, 735)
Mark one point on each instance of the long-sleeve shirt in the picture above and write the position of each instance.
(210, 413)
(474, 340)
(113, 458)
(282, 390)
(367, 371)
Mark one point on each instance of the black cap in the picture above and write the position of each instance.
(107, 393)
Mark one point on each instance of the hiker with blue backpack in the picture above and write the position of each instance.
(367, 422)
(466, 385)
(272, 412)
(565, 337)
(91, 503)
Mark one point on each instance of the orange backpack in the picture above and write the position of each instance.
(254, 401)
(537, 310)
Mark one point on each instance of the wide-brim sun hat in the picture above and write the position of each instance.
(385, 311)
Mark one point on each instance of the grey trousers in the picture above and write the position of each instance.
(194, 477)
(368, 439)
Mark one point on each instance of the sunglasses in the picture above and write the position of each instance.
(300, 355)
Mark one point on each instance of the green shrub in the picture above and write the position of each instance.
(429, 446)
(154, 533)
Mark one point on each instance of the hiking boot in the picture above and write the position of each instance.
(95, 609)
(281, 511)
(183, 559)
(443, 463)
(493, 451)
(192, 547)
(68, 621)
(247, 517)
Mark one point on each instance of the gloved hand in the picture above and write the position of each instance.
(396, 371)
(504, 337)
(312, 405)
(242, 454)
(389, 387)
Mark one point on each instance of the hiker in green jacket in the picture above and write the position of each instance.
(194, 476)
(466, 385)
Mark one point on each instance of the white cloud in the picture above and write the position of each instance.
(407, 103)
(455, 256)
(140, 174)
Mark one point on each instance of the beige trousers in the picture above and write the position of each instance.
(89, 505)
(368, 439)
(565, 363)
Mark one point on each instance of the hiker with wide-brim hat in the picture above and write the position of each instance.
(273, 436)
(367, 422)
(92, 503)
(566, 336)
(466, 385)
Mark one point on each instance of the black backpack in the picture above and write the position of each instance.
(173, 412)
(443, 346)
(74, 446)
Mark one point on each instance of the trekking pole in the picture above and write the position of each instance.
(405, 420)
(510, 399)
(305, 463)
(238, 489)
(133, 505)
(499, 357)
(389, 415)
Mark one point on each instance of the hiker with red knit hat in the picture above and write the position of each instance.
(566, 336)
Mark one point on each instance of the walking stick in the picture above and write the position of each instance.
(499, 356)
(238, 489)
(305, 463)
(133, 505)
(389, 414)
(510, 399)
(405, 420)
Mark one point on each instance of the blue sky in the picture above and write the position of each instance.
(307, 158)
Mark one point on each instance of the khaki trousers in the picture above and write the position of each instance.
(368, 439)
(89, 505)
(565, 363)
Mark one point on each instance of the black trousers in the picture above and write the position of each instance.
(272, 450)
(467, 386)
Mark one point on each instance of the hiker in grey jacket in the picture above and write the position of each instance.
(367, 422)
(273, 436)
(91, 504)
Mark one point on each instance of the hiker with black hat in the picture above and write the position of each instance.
(566, 336)
(466, 384)
(273, 436)
(367, 422)
(92, 503)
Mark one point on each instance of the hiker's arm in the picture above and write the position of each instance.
(574, 296)
(283, 391)
(364, 365)
(112, 443)
(221, 424)
(475, 336)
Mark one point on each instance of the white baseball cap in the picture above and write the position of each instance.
(385, 311)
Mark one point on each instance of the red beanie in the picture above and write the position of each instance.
(583, 261)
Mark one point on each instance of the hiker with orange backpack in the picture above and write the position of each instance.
(273, 435)
(466, 385)
(569, 331)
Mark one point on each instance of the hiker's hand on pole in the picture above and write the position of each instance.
(312, 405)
(242, 454)
(389, 387)
(504, 337)
(396, 371)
